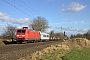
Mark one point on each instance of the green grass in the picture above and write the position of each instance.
(83, 54)
(56, 55)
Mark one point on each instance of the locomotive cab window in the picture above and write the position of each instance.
(21, 31)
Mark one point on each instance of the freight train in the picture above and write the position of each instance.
(26, 35)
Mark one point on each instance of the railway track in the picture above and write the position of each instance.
(13, 52)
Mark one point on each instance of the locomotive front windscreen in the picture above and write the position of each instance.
(21, 31)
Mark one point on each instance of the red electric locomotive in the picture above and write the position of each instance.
(24, 35)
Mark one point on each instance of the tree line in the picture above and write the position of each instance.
(37, 24)
(85, 35)
(41, 24)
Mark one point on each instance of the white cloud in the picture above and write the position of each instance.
(70, 22)
(68, 29)
(20, 20)
(4, 16)
(84, 30)
(2, 28)
(7, 18)
(78, 22)
(63, 28)
(84, 22)
(74, 7)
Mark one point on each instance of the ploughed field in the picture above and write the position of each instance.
(15, 51)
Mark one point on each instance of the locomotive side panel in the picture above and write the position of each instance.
(37, 35)
(33, 35)
(26, 34)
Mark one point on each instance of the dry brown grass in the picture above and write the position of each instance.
(76, 43)
(1, 43)
(39, 54)
(83, 42)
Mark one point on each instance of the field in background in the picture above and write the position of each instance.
(83, 54)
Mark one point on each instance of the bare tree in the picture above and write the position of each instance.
(39, 24)
(9, 32)
(88, 31)
(59, 35)
(87, 35)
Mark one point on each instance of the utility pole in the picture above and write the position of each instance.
(64, 33)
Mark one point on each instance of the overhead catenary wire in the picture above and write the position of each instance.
(30, 8)
(17, 8)
(6, 11)
(24, 7)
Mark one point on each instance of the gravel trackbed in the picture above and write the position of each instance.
(15, 51)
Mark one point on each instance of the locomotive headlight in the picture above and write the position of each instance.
(23, 35)
(17, 35)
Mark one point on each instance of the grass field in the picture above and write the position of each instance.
(74, 49)
(83, 54)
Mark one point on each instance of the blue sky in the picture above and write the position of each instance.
(72, 16)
